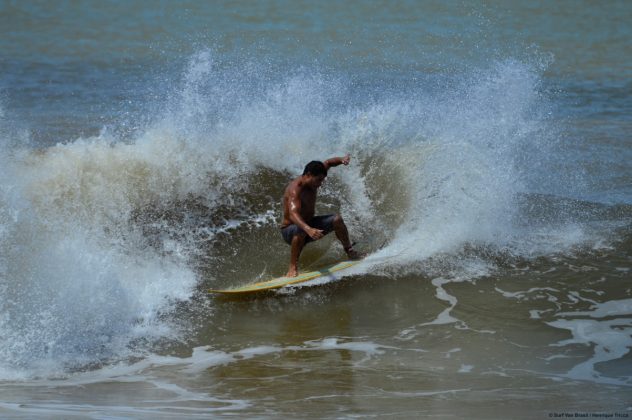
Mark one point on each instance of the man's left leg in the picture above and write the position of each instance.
(342, 233)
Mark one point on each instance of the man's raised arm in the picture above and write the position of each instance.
(335, 161)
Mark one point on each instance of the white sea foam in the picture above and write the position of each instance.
(164, 393)
(205, 357)
(611, 338)
(465, 368)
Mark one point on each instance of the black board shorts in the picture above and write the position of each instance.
(324, 223)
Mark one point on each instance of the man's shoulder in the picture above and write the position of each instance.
(294, 185)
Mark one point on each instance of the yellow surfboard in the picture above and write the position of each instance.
(279, 282)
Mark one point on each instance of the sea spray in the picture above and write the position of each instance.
(79, 283)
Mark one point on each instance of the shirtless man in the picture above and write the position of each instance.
(299, 225)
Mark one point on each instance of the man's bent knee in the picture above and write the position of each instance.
(299, 238)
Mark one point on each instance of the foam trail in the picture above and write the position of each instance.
(611, 338)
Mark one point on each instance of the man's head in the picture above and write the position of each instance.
(317, 172)
(315, 167)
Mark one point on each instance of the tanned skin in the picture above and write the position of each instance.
(299, 206)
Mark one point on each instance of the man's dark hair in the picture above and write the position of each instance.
(315, 167)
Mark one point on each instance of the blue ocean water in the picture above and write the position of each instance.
(144, 148)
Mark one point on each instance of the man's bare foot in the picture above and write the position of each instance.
(292, 272)
(353, 254)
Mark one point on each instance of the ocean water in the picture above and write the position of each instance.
(144, 149)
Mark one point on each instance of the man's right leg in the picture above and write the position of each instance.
(343, 236)
(298, 242)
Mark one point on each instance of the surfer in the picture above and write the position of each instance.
(300, 226)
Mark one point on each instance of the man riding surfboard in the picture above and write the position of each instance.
(300, 226)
